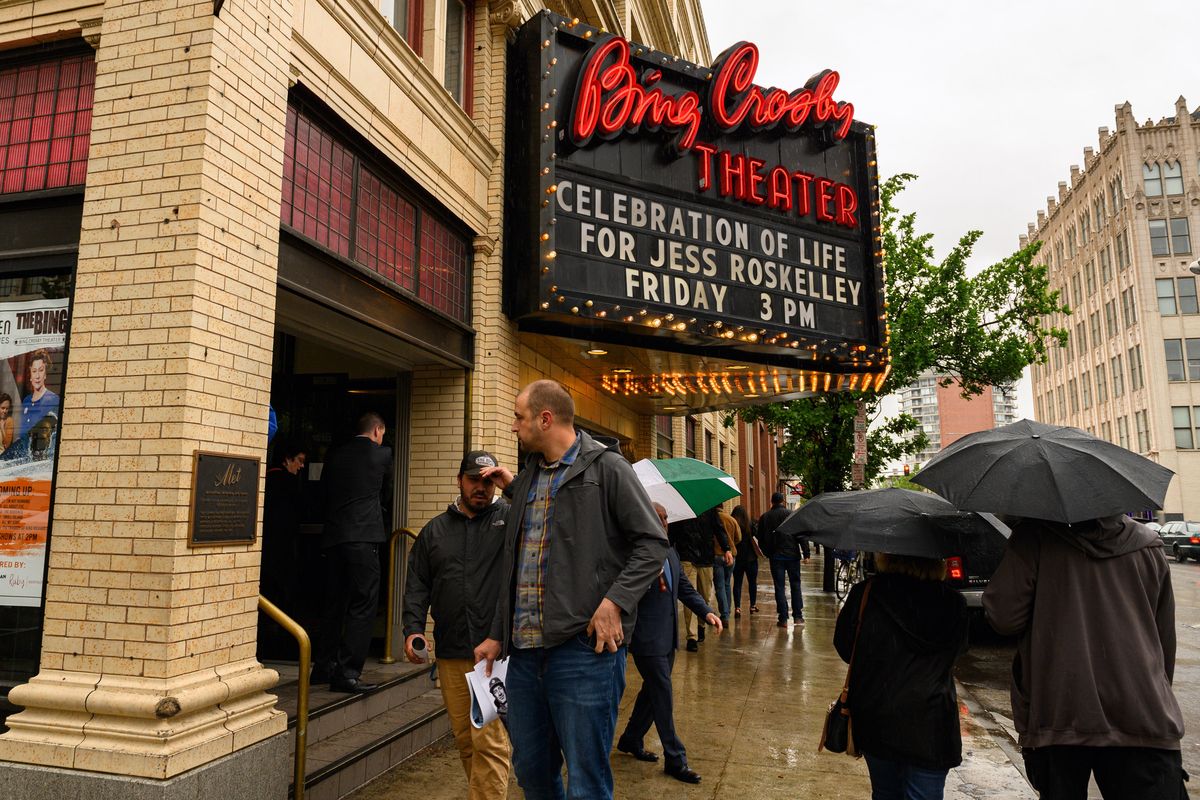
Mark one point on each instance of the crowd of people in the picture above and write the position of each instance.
(573, 565)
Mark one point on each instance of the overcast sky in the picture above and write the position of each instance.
(988, 102)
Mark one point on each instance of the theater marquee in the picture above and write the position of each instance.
(686, 208)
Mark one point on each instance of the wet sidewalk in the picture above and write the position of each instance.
(749, 708)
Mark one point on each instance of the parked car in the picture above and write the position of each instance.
(970, 570)
(1182, 539)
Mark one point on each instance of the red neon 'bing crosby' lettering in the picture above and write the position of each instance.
(610, 99)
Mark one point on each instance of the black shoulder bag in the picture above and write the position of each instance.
(837, 736)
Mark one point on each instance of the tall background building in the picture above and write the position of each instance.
(946, 416)
(1118, 244)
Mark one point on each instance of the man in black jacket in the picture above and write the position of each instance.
(693, 539)
(352, 480)
(455, 568)
(655, 640)
(785, 552)
(582, 546)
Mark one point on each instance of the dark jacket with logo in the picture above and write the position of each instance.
(903, 706)
(454, 572)
(352, 482)
(657, 629)
(606, 541)
(1094, 606)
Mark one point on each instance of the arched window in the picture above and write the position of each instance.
(1173, 177)
(1152, 180)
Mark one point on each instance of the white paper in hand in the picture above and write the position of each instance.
(489, 698)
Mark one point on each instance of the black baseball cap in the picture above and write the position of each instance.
(474, 462)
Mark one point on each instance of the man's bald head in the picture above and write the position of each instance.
(552, 396)
(661, 510)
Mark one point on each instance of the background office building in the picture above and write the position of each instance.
(1118, 239)
(946, 416)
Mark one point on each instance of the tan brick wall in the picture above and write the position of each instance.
(170, 351)
(436, 440)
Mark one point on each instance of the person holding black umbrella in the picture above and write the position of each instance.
(1089, 592)
(901, 688)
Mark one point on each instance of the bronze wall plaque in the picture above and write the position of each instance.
(224, 508)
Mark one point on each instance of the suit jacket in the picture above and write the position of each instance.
(656, 631)
(352, 481)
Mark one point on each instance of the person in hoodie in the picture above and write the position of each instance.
(1091, 680)
(454, 570)
(582, 546)
(903, 706)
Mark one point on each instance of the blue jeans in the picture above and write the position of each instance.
(745, 571)
(722, 578)
(786, 572)
(562, 705)
(891, 780)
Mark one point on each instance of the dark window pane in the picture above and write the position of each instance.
(445, 262)
(1159, 243)
(1181, 240)
(1173, 348)
(386, 238)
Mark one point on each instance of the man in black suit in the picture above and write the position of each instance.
(352, 479)
(655, 640)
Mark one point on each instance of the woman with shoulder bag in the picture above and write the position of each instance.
(901, 697)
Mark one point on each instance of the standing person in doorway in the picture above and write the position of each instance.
(454, 571)
(1091, 681)
(655, 640)
(583, 545)
(352, 480)
(785, 553)
(745, 564)
(283, 504)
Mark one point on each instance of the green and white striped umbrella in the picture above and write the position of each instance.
(684, 486)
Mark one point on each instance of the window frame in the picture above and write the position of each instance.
(1152, 185)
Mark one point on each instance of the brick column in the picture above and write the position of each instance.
(435, 440)
(148, 662)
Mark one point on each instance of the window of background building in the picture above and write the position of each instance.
(1090, 278)
(710, 452)
(1181, 240)
(663, 437)
(721, 463)
(1165, 289)
(1072, 238)
(1106, 270)
(1080, 337)
(1181, 420)
(689, 437)
(1151, 180)
(1076, 291)
(1085, 384)
(1058, 253)
(1187, 295)
(1118, 376)
(1122, 251)
(1136, 376)
(1191, 349)
(1085, 228)
(1110, 318)
(408, 18)
(1106, 431)
(1101, 385)
(1094, 325)
(1143, 432)
(1062, 403)
(1098, 209)
(460, 47)
(1118, 193)
(1174, 354)
(1073, 395)
(1160, 242)
(1123, 432)
(1128, 308)
(1172, 177)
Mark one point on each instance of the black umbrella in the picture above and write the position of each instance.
(1050, 472)
(897, 521)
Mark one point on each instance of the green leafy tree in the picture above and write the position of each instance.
(979, 330)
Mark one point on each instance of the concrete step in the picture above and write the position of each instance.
(353, 738)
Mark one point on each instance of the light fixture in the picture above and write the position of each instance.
(750, 395)
(622, 370)
(737, 366)
(596, 351)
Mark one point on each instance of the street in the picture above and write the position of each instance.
(984, 671)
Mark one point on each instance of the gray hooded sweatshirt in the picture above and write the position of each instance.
(1095, 611)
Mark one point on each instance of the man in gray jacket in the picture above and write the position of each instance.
(454, 570)
(583, 545)
(1091, 690)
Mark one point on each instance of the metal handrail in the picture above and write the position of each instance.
(301, 636)
(388, 637)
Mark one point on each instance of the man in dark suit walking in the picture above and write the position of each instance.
(352, 480)
(655, 640)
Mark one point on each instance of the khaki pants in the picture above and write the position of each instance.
(702, 579)
(485, 752)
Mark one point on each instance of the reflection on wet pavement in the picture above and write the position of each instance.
(749, 707)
